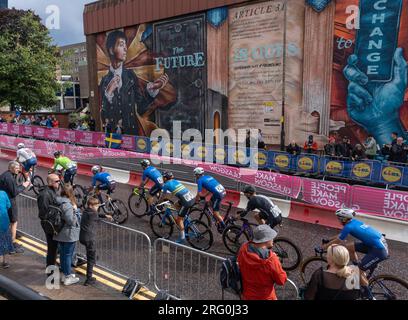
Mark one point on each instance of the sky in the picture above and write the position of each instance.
(70, 28)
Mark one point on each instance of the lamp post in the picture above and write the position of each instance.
(282, 142)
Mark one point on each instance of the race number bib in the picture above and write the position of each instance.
(188, 197)
(220, 189)
(160, 180)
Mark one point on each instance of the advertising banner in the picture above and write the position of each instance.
(98, 139)
(259, 158)
(333, 167)
(52, 134)
(280, 161)
(387, 203)
(362, 170)
(67, 135)
(142, 144)
(26, 131)
(391, 174)
(84, 137)
(129, 142)
(14, 129)
(331, 195)
(306, 163)
(39, 132)
(4, 127)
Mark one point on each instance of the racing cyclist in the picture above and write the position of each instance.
(153, 174)
(68, 165)
(372, 244)
(185, 201)
(269, 213)
(208, 185)
(102, 181)
(26, 157)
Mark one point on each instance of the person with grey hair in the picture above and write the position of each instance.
(260, 266)
(9, 185)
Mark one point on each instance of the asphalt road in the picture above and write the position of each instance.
(306, 236)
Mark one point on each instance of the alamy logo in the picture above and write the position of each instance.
(52, 22)
(353, 281)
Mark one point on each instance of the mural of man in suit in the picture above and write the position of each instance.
(125, 96)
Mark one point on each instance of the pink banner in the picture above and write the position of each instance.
(387, 203)
(84, 137)
(14, 129)
(128, 143)
(99, 139)
(331, 195)
(67, 135)
(39, 132)
(3, 127)
(53, 134)
(26, 130)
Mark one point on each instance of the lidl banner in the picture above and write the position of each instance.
(280, 161)
(331, 195)
(365, 170)
(259, 158)
(392, 174)
(307, 163)
(220, 154)
(142, 144)
(332, 167)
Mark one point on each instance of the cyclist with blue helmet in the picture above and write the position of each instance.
(208, 185)
(150, 173)
(102, 180)
(185, 200)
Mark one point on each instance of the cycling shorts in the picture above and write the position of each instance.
(155, 190)
(69, 174)
(29, 163)
(271, 220)
(110, 187)
(216, 201)
(373, 255)
(185, 207)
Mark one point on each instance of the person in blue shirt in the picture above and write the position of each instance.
(185, 200)
(102, 181)
(208, 185)
(154, 175)
(372, 243)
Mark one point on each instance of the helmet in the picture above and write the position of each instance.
(20, 146)
(345, 213)
(145, 163)
(249, 189)
(198, 171)
(96, 169)
(57, 153)
(168, 175)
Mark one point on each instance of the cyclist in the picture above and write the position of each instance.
(372, 243)
(185, 200)
(269, 213)
(208, 185)
(151, 173)
(102, 181)
(26, 157)
(68, 165)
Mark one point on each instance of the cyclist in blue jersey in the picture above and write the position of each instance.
(154, 175)
(208, 185)
(102, 181)
(372, 243)
(185, 200)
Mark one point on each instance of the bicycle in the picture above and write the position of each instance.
(207, 214)
(137, 202)
(382, 286)
(198, 234)
(234, 236)
(79, 191)
(113, 207)
(36, 181)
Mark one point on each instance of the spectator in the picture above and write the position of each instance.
(331, 284)
(386, 149)
(310, 146)
(43, 122)
(260, 267)
(371, 147)
(69, 234)
(72, 126)
(107, 127)
(344, 148)
(49, 122)
(92, 124)
(261, 143)
(293, 148)
(87, 235)
(358, 153)
(55, 123)
(399, 151)
(6, 244)
(27, 121)
(119, 127)
(2, 119)
(47, 197)
(330, 148)
(9, 185)
(32, 120)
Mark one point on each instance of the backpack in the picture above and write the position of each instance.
(53, 222)
(230, 277)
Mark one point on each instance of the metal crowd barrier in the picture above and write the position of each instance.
(12, 290)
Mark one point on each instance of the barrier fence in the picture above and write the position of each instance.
(180, 272)
(367, 170)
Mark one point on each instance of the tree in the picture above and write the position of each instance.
(27, 61)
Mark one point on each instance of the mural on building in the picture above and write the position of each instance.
(131, 85)
(369, 89)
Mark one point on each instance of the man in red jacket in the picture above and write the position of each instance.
(260, 267)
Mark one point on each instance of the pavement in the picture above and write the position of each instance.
(305, 235)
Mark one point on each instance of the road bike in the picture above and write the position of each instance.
(36, 181)
(137, 202)
(79, 191)
(234, 236)
(382, 286)
(113, 207)
(198, 234)
(207, 216)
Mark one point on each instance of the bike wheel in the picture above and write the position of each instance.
(233, 237)
(288, 291)
(310, 265)
(79, 193)
(138, 205)
(37, 184)
(201, 215)
(289, 254)
(162, 226)
(120, 211)
(388, 287)
(199, 235)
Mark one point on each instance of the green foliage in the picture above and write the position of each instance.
(27, 61)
